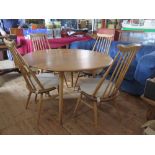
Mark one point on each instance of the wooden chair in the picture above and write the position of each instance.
(39, 41)
(102, 44)
(98, 90)
(38, 84)
(107, 31)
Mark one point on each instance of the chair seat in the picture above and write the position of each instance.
(48, 80)
(88, 86)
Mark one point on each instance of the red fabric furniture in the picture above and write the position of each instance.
(26, 44)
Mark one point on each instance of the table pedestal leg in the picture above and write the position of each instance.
(61, 80)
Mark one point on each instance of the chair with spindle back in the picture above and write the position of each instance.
(39, 41)
(102, 44)
(98, 90)
(38, 84)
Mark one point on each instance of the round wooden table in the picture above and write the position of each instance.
(67, 60)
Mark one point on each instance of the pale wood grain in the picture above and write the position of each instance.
(67, 60)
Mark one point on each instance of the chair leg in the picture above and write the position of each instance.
(58, 89)
(77, 80)
(95, 114)
(77, 103)
(40, 107)
(36, 95)
(28, 100)
(66, 81)
(72, 80)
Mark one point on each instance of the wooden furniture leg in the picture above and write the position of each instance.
(76, 80)
(61, 80)
(66, 81)
(28, 99)
(95, 114)
(77, 104)
(71, 79)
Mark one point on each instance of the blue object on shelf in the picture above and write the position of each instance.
(31, 31)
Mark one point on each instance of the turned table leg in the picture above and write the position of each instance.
(61, 80)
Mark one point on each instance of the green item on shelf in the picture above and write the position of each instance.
(139, 29)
